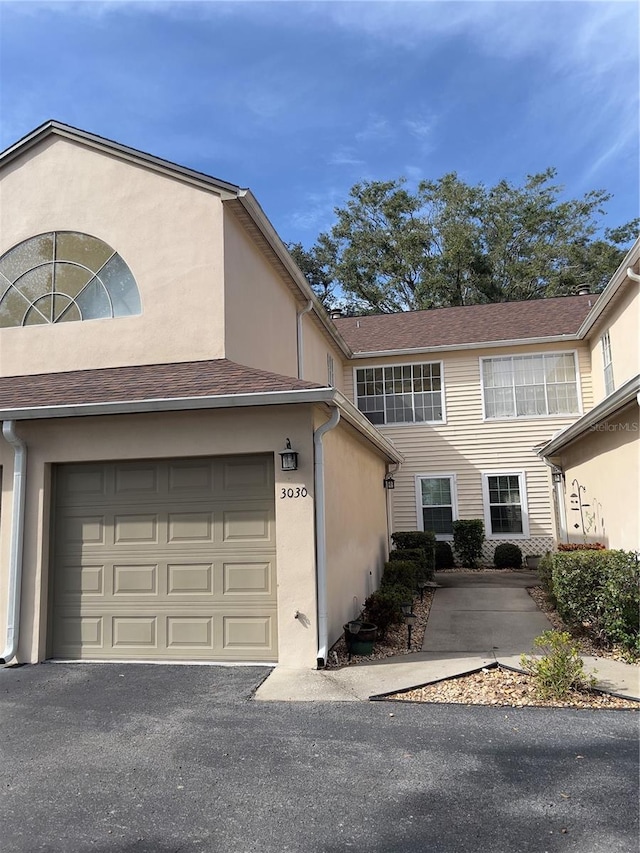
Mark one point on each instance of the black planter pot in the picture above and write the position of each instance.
(359, 637)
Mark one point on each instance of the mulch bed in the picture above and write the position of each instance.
(491, 685)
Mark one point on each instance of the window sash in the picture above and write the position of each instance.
(436, 498)
(530, 385)
(609, 384)
(505, 504)
(402, 393)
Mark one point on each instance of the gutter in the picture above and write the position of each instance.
(321, 536)
(17, 540)
(299, 337)
(516, 342)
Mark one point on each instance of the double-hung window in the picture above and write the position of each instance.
(505, 504)
(437, 504)
(609, 385)
(401, 394)
(530, 385)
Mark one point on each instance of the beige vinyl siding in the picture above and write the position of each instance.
(469, 446)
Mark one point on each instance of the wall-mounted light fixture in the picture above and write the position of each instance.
(389, 482)
(289, 458)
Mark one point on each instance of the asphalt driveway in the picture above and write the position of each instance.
(153, 759)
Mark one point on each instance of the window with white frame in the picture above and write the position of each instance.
(401, 394)
(609, 385)
(331, 371)
(530, 385)
(437, 503)
(505, 504)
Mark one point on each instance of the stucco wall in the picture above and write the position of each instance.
(603, 467)
(169, 234)
(356, 524)
(316, 349)
(468, 446)
(260, 311)
(176, 434)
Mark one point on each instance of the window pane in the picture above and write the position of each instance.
(13, 308)
(506, 519)
(436, 491)
(83, 249)
(70, 279)
(120, 284)
(25, 256)
(93, 302)
(438, 519)
(36, 282)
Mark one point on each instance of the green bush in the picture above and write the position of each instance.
(402, 575)
(383, 608)
(507, 556)
(545, 574)
(444, 556)
(422, 539)
(560, 669)
(468, 536)
(599, 591)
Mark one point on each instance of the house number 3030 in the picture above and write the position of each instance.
(296, 492)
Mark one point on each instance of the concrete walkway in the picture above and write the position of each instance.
(476, 620)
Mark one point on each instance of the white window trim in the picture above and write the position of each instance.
(607, 364)
(524, 505)
(520, 418)
(403, 364)
(440, 537)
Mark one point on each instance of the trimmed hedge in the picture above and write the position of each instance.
(402, 575)
(383, 608)
(581, 546)
(444, 556)
(468, 536)
(424, 540)
(507, 556)
(599, 591)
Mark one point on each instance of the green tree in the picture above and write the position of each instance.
(449, 243)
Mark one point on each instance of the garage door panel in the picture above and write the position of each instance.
(190, 527)
(172, 559)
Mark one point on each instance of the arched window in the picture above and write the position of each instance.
(64, 276)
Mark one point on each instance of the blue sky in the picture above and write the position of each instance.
(299, 100)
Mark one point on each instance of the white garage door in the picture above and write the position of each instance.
(165, 560)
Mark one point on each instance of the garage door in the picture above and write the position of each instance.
(161, 560)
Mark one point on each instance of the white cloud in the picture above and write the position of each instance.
(376, 129)
(345, 156)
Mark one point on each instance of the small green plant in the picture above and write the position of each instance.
(422, 539)
(401, 575)
(507, 556)
(383, 608)
(559, 669)
(468, 536)
(412, 555)
(444, 556)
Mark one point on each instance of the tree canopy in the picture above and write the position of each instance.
(449, 243)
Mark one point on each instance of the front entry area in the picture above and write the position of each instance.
(164, 560)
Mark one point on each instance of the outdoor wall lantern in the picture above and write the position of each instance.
(289, 458)
(389, 482)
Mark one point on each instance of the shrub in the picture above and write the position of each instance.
(560, 669)
(412, 555)
(600, 592)
(580, 546)
(507, 556)
(545, 573)
(468, 537)
(383, 608)
(423, 539)
(402, 575)
(444, 556)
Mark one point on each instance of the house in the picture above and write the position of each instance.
(196, 459)
(598, 455)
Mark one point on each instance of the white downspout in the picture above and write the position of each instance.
(17, 539)
(321, 541)
(299, 338)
